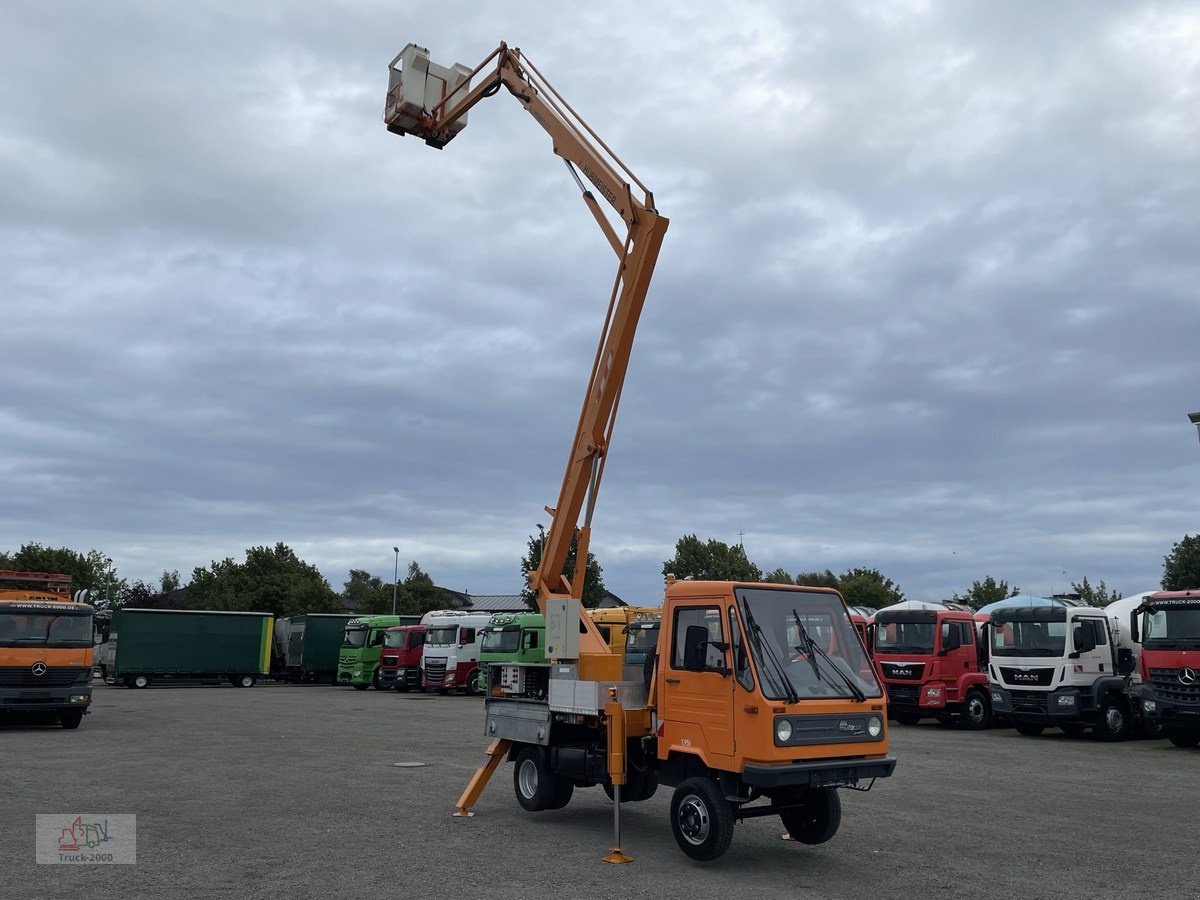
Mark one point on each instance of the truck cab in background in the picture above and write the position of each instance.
(1063, 667)
(612, 622)
(1168, 625)
(511, 638)
(932, 665)
(400, 659)
(362, 643)
(450, 657)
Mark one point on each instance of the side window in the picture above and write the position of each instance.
(741, 659)
(967, 634)
(376, 638)
(1101, 633)
(533, 640)
(605, 632)
(467, 635)
(708, 618)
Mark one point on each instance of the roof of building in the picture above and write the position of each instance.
(496, 603)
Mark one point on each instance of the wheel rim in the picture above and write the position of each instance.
(527, 778)
(976, 710)
(1114, 719)
(694, 820)
(141, 681)
(247, 681)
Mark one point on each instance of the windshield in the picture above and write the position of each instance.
(501, 640)
(1172, 627)
(394, 639)
(1028, 637)
(45, 629)
(442, 635)
(642, 639)
(777, 622)
(904, 636)
(354, 637)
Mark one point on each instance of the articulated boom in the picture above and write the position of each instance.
(431, 102)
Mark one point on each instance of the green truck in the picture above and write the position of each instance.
(313, 644)
(362, 639)
(167, 646)
(511, 638)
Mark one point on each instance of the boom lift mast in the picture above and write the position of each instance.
(432, 102)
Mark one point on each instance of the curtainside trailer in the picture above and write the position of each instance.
(313, 643)
(175, 646)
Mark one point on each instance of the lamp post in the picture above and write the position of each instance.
(1194, 418)
(395, 578)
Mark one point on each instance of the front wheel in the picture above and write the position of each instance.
(907, 718)
(817, 819)
(1029, 729)
(71, 718)
(701, 819)
(977, 711)
(359, 687)
(375, 681)
(1184, 739)
(1114, 720)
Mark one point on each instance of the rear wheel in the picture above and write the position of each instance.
(977, 711)
(71, 718)
(1185, 739)
(139, 681)
(1114, 720)
(535, 785)
(701, 819)
(639, 786)
(908, 718)
(817, 819)
(1029, 729)
(246, 681)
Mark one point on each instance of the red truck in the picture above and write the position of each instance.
(1168, 625)
(932, 666)
(400, 658)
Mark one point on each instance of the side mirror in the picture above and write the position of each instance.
(1085, 639)
(1125, 661)
(695, 644)
(1133, 627)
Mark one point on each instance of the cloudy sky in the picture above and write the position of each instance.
(929, 301)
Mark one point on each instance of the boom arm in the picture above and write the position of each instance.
(583, 151)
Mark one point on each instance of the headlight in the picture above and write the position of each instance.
(81, 698)
(997, 697)
(1066, 699)
(874, 726)
(1149, 705)
(934, 692)
(783, 731)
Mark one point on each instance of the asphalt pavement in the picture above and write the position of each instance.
(293, 791)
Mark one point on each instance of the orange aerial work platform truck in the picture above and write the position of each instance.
(759, 700)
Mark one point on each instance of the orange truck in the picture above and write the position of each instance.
(759, 699)
(45, 647)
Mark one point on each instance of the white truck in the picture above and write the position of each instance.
(1072, 668)
(450, 659)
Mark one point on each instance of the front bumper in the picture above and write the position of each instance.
(1157, 708)
(819, 773)
(1048, 707)
(26, 700)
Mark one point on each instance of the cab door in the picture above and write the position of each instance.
(697, 687)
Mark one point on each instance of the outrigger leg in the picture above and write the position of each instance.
(496, 752)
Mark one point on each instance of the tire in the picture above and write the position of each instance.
(945, 720)
(139, 681)
(1184, 739)
(245, 681)
(1072, 730)
(1029, 729)
(473, 689)
(977, 711)
(638, 787)
(402, 687)
(817, 820)
(71, 718)
(375, 681)
(535, 785)
(1113, 724)
(359, 687)
(907, 718)
(564, 788)
(701, 819)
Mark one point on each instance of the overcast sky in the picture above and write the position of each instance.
(929, 300)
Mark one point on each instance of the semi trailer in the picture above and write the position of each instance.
(314, 642)
(742, 703)
(45, 647)
(174, 646)
(1168, 625)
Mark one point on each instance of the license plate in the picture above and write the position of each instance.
(833, 778)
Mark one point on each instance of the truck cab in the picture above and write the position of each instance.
(1063, 667)
(931, 663)
(400, 659)
(612, 622)
(450, 657)
(362, 644)
(46, 646)
(1168, 626)
(511, 638)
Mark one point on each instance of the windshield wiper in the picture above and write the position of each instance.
(813, 651)
(765, 646)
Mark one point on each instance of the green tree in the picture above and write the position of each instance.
(593, 576)
(868, 587)
(169, 581)
(417, 594)
(981, 593)
(88, 571)
(711, 561)
(272, 579)
(1181, 567)
(778, 576)
(367, 594)
(1098, 595)
(817, 579)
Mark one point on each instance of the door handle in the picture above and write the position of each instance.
(672, 681)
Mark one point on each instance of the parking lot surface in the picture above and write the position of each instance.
(293, 791)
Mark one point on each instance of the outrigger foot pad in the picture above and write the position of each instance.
(462, 814)
(616, 856)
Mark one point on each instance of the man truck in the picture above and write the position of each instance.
(400, 659)
(932, 665)
(176, 646)
(743, 704)
(1168, 625)
(362, 643)
(45, 647)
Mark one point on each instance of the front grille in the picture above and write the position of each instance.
(435, 671)
(55, 676)
(906, 671)
(903, 694)
(1168, 686)
(1030, 701)
(1027, 675)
